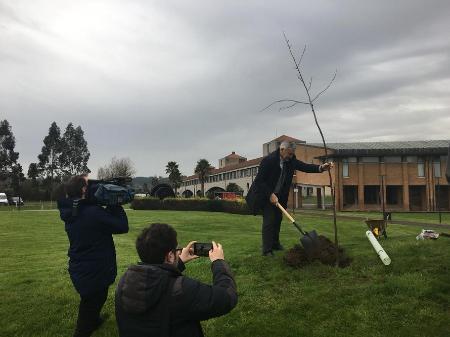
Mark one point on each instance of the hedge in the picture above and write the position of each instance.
(191, 204)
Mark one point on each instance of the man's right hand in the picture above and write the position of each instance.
(273, 199)
(216, 253)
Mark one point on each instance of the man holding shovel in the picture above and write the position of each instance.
(271, 186)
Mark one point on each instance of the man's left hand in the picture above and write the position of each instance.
(187, 253)
(326, 166)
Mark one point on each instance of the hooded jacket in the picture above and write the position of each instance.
(92, 254)
(157, 300)
(268, 173)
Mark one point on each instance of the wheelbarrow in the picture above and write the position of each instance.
(377, 227)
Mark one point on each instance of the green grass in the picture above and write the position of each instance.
(31, 205)
(411, 297)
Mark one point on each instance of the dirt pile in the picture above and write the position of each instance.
(325, 253)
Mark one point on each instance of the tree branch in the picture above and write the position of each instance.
(311, 101)
(284, 100)
(326, 88)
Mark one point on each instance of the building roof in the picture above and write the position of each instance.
(418, 147)
(284, 138)
(233, 155)
(248, 163)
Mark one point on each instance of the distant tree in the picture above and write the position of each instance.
(154, 181)
(17, 177)
(49, 159)
(8, 157)
(233, 187)
(122, 167)
(103, 173)
(33, 173)
(174, 175)
(202, 170)
(74, 152)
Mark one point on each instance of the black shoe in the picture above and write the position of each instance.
(269, 253)
(278, 247)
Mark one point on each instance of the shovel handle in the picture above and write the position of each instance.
(290, 218)
(285, 212)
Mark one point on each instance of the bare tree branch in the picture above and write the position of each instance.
(310, 101)
(326, 88)
(282, 101)
(303, 53)
(310, 84)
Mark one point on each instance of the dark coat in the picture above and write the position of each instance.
(267, 178)
(148, 295)
(92, 255)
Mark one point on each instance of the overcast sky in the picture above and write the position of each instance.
(182, 80)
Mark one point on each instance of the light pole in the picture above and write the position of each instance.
(438, 204)
(382, 196)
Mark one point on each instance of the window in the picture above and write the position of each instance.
(371, 194)
(420, 168)
(393, 159)
(394, 195)
(345, 168)
(370, 159)
(437, 168)
(350, 195)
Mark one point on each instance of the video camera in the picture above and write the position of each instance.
(110, 192)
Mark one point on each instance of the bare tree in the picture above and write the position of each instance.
(121, 167)
(310, 100)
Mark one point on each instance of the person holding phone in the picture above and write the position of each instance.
(153, 298)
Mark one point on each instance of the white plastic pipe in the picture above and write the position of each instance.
(380, 251)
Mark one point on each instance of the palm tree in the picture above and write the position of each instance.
(202, 170)
(174, 175)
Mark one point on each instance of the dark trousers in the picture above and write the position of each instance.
(271, 227)
(89, 312)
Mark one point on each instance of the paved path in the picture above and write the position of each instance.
(424, 225)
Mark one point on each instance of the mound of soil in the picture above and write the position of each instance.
(325, 253)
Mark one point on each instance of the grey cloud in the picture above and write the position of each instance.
(181, 81)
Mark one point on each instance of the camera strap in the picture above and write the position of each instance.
(75, 203)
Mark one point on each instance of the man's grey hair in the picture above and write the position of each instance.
(288, 145)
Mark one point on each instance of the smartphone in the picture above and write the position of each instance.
(202, 248)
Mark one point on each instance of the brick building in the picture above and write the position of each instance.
(407, 176)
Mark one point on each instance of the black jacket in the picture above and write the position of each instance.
(149, 295)
(267, 178)
(92, 255)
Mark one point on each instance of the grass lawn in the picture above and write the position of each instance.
(411, 297)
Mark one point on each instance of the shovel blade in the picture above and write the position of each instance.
(310, 243)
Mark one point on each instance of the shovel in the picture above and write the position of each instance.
(309, 240)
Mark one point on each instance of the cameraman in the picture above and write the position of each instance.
(154, 299)
(92, 255)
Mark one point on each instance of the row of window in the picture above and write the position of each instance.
(392, 159)
(420, 169)
(249, 172)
